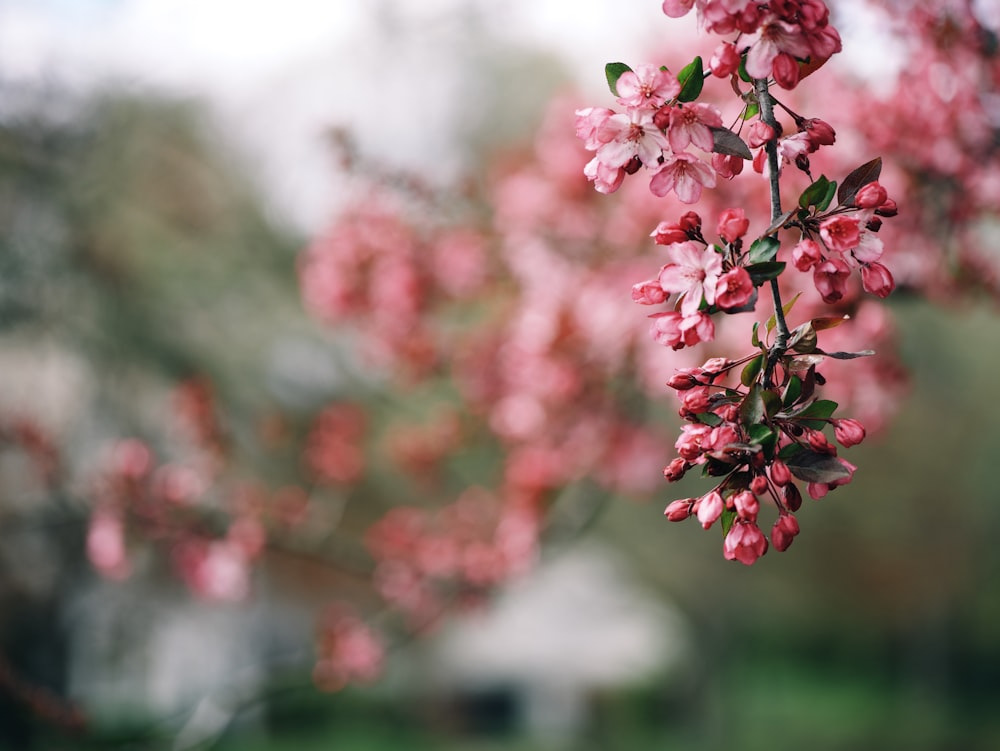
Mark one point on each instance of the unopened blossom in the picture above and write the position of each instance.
(668, 233)
(685, 175)
(806, 254)
(692, 124)
(746, 505)
(877, 279)
(785, 69)
(840, 234)
(727, 166)
(693, 272)
(780, 474)
(626, 136)
(870, 196)
(830, 278)
(710, 508)
(689, 443)
(785, 528)
(819, 132)
(744, 543)
(675, 470)
(734, 289)
(648, 292)
(733, 224)
(647, 87)
(759, 485)
(759, 133)
(679, 510)
(848, 432)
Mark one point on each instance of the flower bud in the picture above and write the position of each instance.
(733, 224)
(746, 505)
(806, 254)
(874, 224)
(684, 379)
(661, 118)
(710, 508)
(758, 485)
(648, 292)
(678, 511)
(785, 69)
(759, 134)
(848, 432)
(715, 365)
(633, 165)
(870, 196)
(818, 442)
(690, 223)
(780, 474)
(675, 470)
(784, 531)
(820, 133)
(877, 279)
(727, 166)
(888, 208)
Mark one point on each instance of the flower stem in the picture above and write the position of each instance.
(780, 346)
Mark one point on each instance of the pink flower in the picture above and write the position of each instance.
(759, 134)
(677, 331)
(668, 233)
(771, 39)
(697, 328)
(689, 443)
(780, 474)
(675, 471)
(710, 508)
(677, 8)
(694, 273)
(877, 279)
(744, 543)
(648, 292)
(786, 70)
(628, 136)
(733, 224)
(806, 254)
(734, 289)
(830, 278)
(869, 248)
(840, 234)
(588, 123)
(606, 179)
(848, 432)
(727, 166)
(785, 528)
(685, 175)
(819, 132)
(725, 60)
(692, 123)
(648, 87)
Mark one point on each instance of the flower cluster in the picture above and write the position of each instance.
(784, 39)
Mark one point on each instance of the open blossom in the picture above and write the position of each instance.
(676, 331)
(734, 289)
(627, 136)
(725, 60)
(693, 272)
(588, 124)
(606, 179)
(840, 234)
(806, 254)
(647, 87)
(692, 123)
(685, 175)
(773, 38)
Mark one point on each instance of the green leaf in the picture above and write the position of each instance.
(831, 191)
(831, 322)
(792, 391)
(692, 78)
(763, 272)
(754, 338)
(709, 418)
(821, 408)
(866, 173)
(752, 110)
(809, 466)
(765, 437)
(772, 402)
(763, 249)
(724, 141)
(752, 409)
(613, 71)
(727, 519)
(751, 370)
(785, 309)
(815, 193)
(744, 76)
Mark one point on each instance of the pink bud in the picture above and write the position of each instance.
(784, 531)
(758, 485)
(820, 133)
(746, 505)
(725, 60)
(888, 208)
(848, 432)
(785, 70)
(661, 118)
(818, 442)
(710, 508)
(715, 365)
(690, 222)
(684, 379)
(780, 474)
(648, 292)
(733, 224)
(870, 196)
(678, 511)
(830, 278)
(734, 289)
(675, 470)
(877, 279)
(744, 543)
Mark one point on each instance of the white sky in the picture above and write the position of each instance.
(279, 73)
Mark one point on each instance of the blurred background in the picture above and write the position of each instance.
(326, 420)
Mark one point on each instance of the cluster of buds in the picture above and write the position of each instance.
(760, 436)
